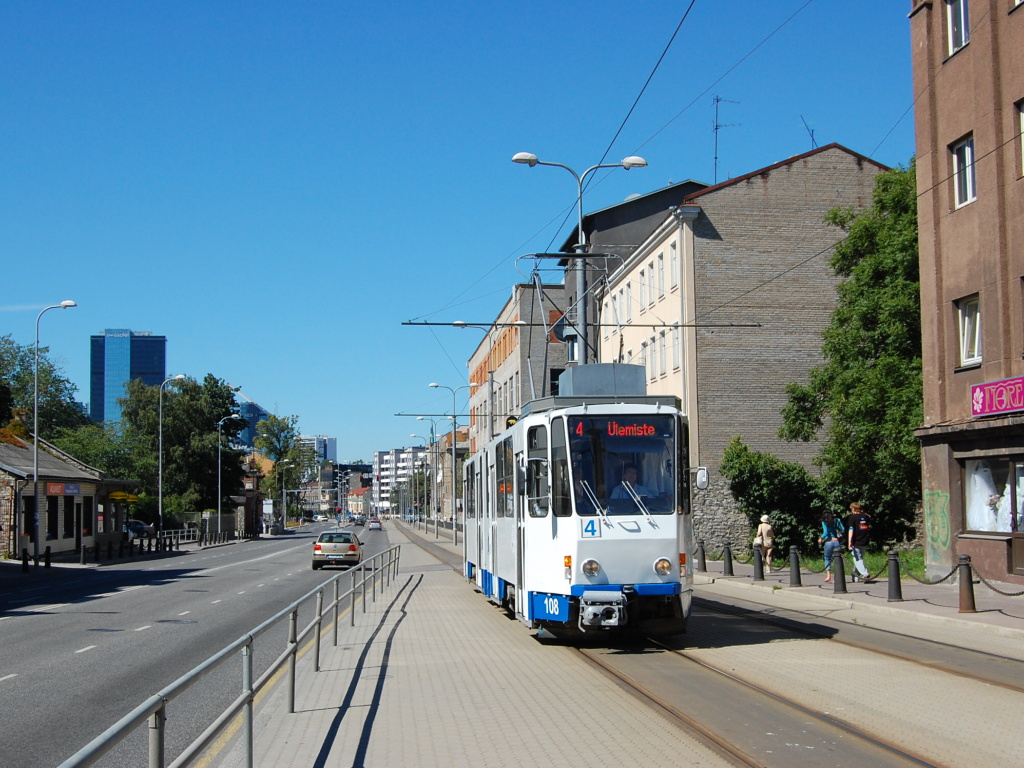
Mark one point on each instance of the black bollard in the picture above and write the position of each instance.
(838, 573)
(727, 559)
(24, 561)
(758, 564)
(131, 548)
(120, 550)
(702, 560)
(150, 548)
(895, 585)
(966, 576)
(46, 558)
(110, 550)
(794, 566)
(81, 553)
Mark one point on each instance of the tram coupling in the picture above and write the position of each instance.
(602, 610)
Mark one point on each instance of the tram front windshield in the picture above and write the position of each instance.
(625, 464)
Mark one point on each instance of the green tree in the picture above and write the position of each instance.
(867, 396)
(57, 405)
(107, 447)
(277, 439)
(763, 484)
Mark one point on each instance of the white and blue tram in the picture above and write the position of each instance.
(577, 517)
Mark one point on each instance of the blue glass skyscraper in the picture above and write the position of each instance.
(119, 355)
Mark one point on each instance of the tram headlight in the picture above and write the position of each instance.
(663, 566)
(591, 567)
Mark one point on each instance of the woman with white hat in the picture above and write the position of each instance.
(765, 539)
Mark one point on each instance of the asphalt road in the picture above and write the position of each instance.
(80, 648)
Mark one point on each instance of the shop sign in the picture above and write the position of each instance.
(997, 397)
(63, 489)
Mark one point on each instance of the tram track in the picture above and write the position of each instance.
(746, 724)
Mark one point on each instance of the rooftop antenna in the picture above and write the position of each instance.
(717, 125)
(814, 144)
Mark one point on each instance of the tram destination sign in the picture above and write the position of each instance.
(1004, 396)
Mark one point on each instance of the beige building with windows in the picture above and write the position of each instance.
(968, 68)
(725, 304)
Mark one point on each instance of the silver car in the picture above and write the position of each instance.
(337, 548)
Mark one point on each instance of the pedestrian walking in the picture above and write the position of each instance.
(765, 539)
(832, 537)
(858, 528)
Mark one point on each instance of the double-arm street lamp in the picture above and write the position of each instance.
(530, 159)
(488, 330)
(284, 500)
(35, 430)
(220, 424)
(455, 413)
(160, 452)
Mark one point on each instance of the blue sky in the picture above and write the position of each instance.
(277, 186)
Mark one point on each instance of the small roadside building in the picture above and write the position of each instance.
(77, 506)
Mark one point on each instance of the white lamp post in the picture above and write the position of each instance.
(490, 362)
(35, 430)
(455, 520)
(220, 496)
(284, 499)
(530, 159)
(160, 452)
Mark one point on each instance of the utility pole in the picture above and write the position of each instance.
(717, 126)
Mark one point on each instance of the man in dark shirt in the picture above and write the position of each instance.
(858, 527)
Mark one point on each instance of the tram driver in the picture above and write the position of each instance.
(630, 481)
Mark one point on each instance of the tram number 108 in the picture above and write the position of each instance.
(550, 607)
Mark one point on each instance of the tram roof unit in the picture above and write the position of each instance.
(601, 384)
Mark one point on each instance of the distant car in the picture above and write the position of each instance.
(319, 518)
(140, 530)
(360, 520)
(337, 548)
(374, 525)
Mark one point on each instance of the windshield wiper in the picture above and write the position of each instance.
(592, 498)
(636, 498)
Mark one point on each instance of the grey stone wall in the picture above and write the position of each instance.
(716, 519)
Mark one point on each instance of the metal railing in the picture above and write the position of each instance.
(382, 567)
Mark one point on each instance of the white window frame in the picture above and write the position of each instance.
(607, 316)
(677, 351)
(650, 283)
(629, 301)
(652, 356)
(643, 355)
(1020, 125)
(673, 265)
(661, 275)
(968, 312)
(958, 30)
(663, 352)
(965, 185)
(643, 291)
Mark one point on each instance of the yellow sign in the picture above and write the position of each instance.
(118, 496)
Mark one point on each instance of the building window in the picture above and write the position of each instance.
(663, 353)
(993, 494)
(957, 24)
(652, 357)
(608, 316)
(571, 349)
(629, 301)
(969, 312)
(673, 265)
(661, 275)
(650, 283)
(643, 354)
(676, 348)
(1020, 130)
(643, 291)
(964, 186)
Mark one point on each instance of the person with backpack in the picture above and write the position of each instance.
(832, 538)
(858, 527)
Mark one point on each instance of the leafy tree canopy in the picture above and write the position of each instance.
(57, 406)
(867, 396)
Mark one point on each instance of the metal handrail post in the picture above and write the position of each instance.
(362, 589)
(248, 719)
(319, 623)
(352, 600)
(337, 607)
(293, 624)
(373, 578)
(156, 736)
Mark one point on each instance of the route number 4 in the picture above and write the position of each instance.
(591, 530)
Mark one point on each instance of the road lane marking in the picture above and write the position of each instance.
(215, 602)
(240, 593)
(8, 677)
(185, 613)
(87, 648)
(144, 626)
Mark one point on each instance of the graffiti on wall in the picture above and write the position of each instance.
(936, 523)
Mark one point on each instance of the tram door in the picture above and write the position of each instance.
(520, 513)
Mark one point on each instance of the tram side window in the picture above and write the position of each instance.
(470, 502)
(561, 496)
(537, 471)
(504, 469)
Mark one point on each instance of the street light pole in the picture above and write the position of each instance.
(219, 494)
(35, 431)
(530, 159)
(490, 362)
(160, 452)
(284, 498)
(455, 411)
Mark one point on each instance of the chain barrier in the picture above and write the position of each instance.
(998, 591)
(922, 581)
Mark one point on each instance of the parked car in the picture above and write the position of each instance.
(374, 525)
(337, 548)
(140, 530)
